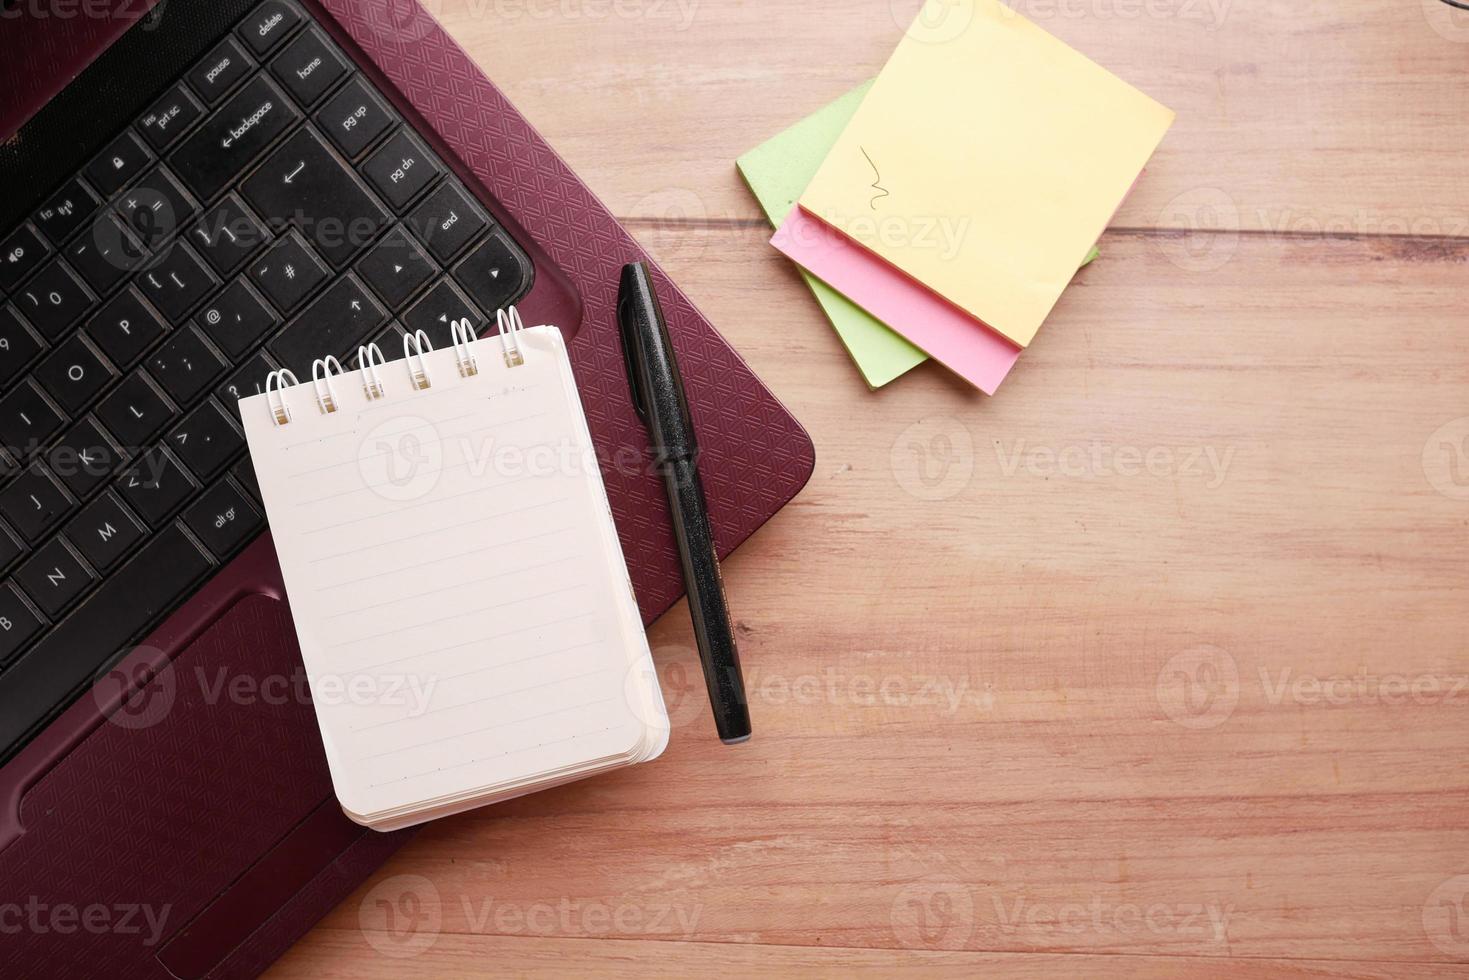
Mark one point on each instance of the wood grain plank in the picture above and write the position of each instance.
(331, 955)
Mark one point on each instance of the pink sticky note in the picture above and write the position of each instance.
(949, 335)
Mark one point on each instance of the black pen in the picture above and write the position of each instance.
(658, 394)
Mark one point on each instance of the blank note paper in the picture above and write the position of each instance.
(459, 592)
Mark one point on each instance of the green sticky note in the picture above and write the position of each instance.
(778, 171)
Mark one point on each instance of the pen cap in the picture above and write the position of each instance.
(652, 366)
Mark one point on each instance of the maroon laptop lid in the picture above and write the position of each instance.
(125, 814)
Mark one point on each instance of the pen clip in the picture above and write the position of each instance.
(625, 324)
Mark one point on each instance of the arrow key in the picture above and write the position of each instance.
(396, 267)
(496, 272)
(436, 311)
(336, 323)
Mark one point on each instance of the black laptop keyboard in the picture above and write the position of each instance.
(271, 207)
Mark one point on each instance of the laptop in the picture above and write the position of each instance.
(196, 193)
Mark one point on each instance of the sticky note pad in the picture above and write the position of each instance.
(777, 171)
(986, 161)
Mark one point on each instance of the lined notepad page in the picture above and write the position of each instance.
(458, 588)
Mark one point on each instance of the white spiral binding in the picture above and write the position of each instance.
(372, 383)
(419, 341)
(321, 380)
(275, 395)
(370, 358)
(510, 325)
(464, 335)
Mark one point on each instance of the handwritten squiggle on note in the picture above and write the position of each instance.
(876, 182)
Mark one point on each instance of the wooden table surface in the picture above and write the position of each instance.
(1156, 664)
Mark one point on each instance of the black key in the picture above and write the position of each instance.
(17, 624)
(119, 611)
(34, 503)
(223, 519)
(134, 412)
(10, 549)
(247, 381)
(105, 254)
(185, 365)
(288, 273)
(104, 531)
(54, 299)
(219, 72)
(66, 210)
(206, 441)
(154, 486)
(244, 471)
(495, 272)
(17, 345)
(27, 420)
(397, 267)
(20, 252)
(125, 327)
(84, 459)
(389, 340)
(304, 184)
(231, 139)
(163, 124)
(309, 67)
(269, 25)
(176, 281)
(124, 158)
(437, 311)
(155, 208)
(73, 374)
(448, 220)
(53, 578)
(228, 235)
(335, 323)
(236, 319)
(401, 169)
(355, 117)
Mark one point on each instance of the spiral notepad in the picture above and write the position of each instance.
(465, 615)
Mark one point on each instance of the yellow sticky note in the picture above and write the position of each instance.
(986, 161)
